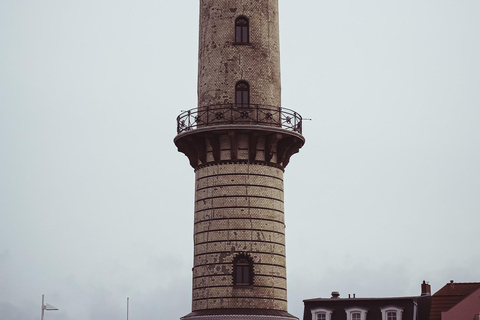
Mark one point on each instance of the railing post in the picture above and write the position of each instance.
(280, 118)
(295, 125)
(208, 115)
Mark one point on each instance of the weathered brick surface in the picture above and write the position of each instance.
(231, 213)
(226, 257)
(207, 193)
(239, 165)
(230, 291)
(222, 63)
(240, 246)
(239, 235)
(222, 169)
(237, 302)
(226, 270)
(224, 180)
(225, 280)
(239, 223)
(239, 208)
(257, 202)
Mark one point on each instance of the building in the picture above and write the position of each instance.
(239, 140)
(456, 301)
(353, 308)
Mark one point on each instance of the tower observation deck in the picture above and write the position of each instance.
(239, 140)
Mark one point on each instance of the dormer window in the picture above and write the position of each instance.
(242, 94)
(242, 31)
(391, 313)
(321, 314)
(243, 270)
(356, 313)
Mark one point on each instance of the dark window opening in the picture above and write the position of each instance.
(391, 315)
(241, 30)
(356, 316)
(243, 271)
(242, 94)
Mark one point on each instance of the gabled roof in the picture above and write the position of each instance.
(449, 296)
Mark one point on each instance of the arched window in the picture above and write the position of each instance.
(242, 94)
(391, 313)
(356, 313)
(243, 270)
(356, 316)
(241, 30)
(321, 314)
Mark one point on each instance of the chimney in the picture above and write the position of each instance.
(335, 295)
(426, 291)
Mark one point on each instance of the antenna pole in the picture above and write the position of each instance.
(128, 301)
(43, 305)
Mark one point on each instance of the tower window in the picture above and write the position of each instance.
(242, 94)
(243, 271)
(241, 30)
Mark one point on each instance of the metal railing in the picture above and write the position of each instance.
(239, 115)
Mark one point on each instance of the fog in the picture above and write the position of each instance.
(96, 204)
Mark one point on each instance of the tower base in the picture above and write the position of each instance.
(239, 314)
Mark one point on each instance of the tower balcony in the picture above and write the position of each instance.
(229, 133)
(233, 114)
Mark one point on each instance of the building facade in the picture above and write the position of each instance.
(353, 308)
(239, 140)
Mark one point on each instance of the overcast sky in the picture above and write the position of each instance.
(96, 204)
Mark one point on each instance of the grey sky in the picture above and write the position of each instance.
(96, 204)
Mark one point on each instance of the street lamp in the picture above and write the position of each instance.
(46, 306)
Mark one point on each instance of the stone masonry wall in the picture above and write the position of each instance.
(222, 63)
(239, 208)
(239, 170)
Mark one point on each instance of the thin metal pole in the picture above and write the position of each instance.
(43, 305)
(128, 302)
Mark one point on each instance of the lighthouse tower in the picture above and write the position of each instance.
(239, 140)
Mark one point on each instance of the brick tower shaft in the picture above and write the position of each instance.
(239, 140)
(222, 62)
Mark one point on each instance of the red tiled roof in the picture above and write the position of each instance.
(448, 296)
